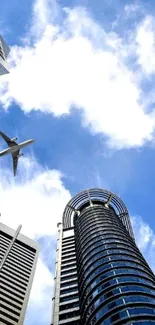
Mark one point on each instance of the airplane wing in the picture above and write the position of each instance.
(15, 161)
(8, 140)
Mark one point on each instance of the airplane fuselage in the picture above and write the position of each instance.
(15, 148)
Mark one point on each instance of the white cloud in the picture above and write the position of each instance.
(131, 9)
(41, 16)
(145, 39)
(36, 199)
(40, 302)
(145, 239)
(77, 63)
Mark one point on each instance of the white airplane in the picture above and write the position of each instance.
(14, 149)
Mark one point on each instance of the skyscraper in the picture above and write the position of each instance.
(101, 276)
(18, 258)
(4, 51)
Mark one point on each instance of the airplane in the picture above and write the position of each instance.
(14, 149)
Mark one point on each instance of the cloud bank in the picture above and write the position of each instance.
(67, 60)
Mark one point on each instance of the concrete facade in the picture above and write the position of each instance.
(18, 258)
(65, 297)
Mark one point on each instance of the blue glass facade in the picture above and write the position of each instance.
(104, 278)
(116, 285)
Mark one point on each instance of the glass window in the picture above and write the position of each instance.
(97, 242)
(112, 265)
(69, 315)
(112, 249)
(124, 314)
(141, 311)
(68, 298)
(117, 272)
(112, 305)
(68, 277)
(67, 284)
(138, 298)
(122, 289)
(65, 291)
(69, 305)
(133, 279)
(67, 266)
(106, 322)
(115, 317)
(102, 254)
(147, 322)
(68, 271)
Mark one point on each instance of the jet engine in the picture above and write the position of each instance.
(13, 139)
(20, 154)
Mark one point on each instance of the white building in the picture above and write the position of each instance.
(18, 259)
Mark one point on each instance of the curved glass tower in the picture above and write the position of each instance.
(101, 276)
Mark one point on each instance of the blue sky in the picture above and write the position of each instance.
(81, 83)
